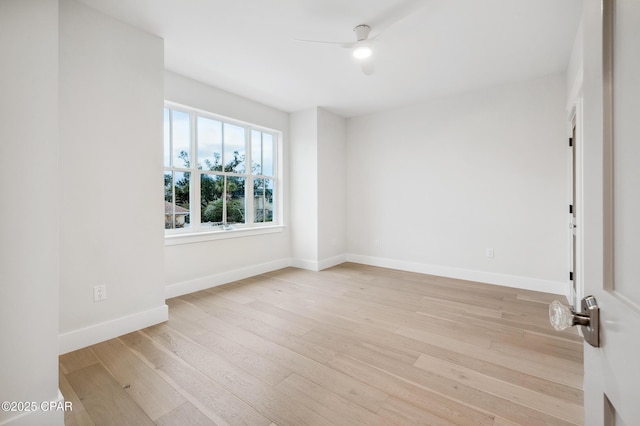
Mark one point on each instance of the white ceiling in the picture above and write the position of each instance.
(248, 47)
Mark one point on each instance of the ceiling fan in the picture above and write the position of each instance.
(363, 48)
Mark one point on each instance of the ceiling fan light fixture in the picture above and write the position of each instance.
(362, 50)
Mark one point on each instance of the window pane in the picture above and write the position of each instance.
(267, 154)
(209, 144)
(181, 138)
(211, 193)
(182, 190)
(256, 152)
(235, 199)
(268, 200)
(258, 200)
(263, 200)
(169, 222)
(167, 138)
(234, 148)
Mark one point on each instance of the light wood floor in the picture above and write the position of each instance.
(351, 345)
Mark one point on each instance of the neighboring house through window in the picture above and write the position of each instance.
(219, 174)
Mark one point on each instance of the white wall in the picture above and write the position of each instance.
(432, 185)
(575, 73)
(332, 188)
(318, 190)
(191, 267)
(111, 232)
(28, 226)
(304, 188)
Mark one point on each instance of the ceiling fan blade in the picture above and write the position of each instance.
(334, 43)
(396, 14)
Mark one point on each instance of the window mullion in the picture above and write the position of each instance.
(194, 199)
(224, 198)
(248, 185)
(173, 177)
(224, 177)
(277, 172)
(173, 199)
(222, 159)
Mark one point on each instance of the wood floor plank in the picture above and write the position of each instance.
(399, 412)
(423, 397)
(235, 296)
(349, 345)
(302, 316)
(561, 348)
(525, 397)
(76, 360)
(490, 328)
(350, 388)
(450, 330)
(286, 335)
(252, 362)
(264, 398)
(154, 395)
(78, 416)
(455, 389)
(105, 401)
(211, 398)
(386, 297)
(242, 313)
(517, 350)
(499, 421)
(330, 405)
(510, 375)
(429, 304)
(184, 318)
(185, 415)
(551, 373)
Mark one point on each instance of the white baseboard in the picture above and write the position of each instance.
(332, 261)
(97, 333)
(318, 265)
(309, 265)
(44, 415)
(515, 281)
(190, 286)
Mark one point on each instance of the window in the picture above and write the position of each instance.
(219, 174)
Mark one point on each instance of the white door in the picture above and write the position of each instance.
(611, 177)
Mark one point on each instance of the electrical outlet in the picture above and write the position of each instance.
(489, 253)
(376, 243)
(99, 293)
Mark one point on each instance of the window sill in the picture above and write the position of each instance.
(198, 237)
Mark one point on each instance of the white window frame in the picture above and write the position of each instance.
(198, 232)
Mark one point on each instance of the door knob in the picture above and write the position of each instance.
(562, 317)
